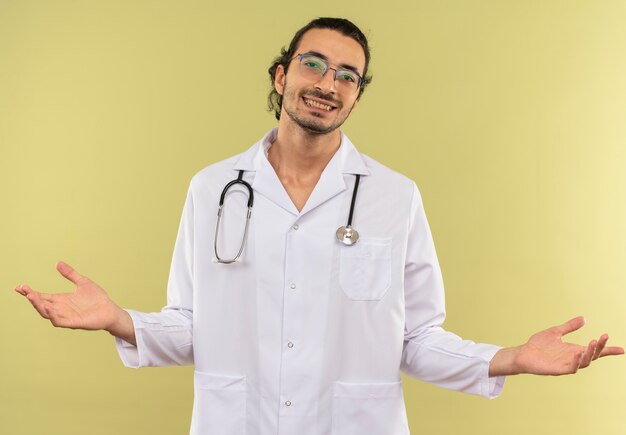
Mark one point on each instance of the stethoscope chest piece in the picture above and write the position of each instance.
(347, 235)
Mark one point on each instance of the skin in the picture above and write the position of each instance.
(545, 353)
(306, 141)
(308, 137)
(87, 307)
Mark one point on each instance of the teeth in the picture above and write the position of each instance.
(316, 104)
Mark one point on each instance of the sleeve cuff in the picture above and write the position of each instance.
(493, 386)
(129, 354)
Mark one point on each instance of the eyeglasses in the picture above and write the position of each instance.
(313, 68)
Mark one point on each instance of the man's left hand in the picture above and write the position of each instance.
(546, 353)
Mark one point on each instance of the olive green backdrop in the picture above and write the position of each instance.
(510, 116)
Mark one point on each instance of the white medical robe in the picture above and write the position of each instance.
(305, 335)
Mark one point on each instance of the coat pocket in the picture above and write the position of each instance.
(372, 408)
(219, 404)
(365, 269)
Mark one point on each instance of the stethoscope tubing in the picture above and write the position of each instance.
(345, 234)
(239, 180)
(356, 188)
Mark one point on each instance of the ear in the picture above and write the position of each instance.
(279, 79)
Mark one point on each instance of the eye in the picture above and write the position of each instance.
(347, 77)
(313, 64)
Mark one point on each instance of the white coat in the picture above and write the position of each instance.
(306, 335)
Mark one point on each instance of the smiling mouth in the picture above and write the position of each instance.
(317, 104)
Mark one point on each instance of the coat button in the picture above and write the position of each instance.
(287, 403)
(290, 344)
(296, 226)
(293, 285)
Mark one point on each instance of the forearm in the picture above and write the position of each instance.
(123, 327)
(442, 358)
(162, 338)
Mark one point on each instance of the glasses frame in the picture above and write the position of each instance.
(328, 67)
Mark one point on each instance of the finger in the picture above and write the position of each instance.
(25, 290)
(22, 289)
(39, 303)
(570, 326)
(588, 354)
(600, 347)
(612, 350)
(68, 272)
(578, 356)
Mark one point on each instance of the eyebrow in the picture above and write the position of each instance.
(342, 66)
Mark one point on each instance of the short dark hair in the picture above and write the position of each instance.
(341, 25)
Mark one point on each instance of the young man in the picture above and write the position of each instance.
(307, 330)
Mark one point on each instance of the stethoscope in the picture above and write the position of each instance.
(345, 234)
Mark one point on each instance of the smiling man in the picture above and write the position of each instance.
(323, 108)
(303, 325)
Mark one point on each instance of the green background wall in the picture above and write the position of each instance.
(510, 116)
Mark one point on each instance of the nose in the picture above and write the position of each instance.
(326, 83)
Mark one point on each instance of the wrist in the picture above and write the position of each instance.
(506, 362)
(121, 324)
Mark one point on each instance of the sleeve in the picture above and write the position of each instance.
(430, 353)
(165, 338)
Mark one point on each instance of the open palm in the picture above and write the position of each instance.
(87, 307)
(546, 353)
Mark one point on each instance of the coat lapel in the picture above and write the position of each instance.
(346, 160)
(331, 183)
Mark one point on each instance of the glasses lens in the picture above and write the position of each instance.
(347, 79)
(313, 67)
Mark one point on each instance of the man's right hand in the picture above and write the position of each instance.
(87, 307)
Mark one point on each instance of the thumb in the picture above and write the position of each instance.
(68, 272)
(571, 325)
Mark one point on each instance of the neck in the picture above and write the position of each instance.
(298, 155)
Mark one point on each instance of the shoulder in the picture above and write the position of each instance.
(392, 180)
(215, 171)
(227, 169)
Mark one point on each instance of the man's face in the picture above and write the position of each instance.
(302, 96)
